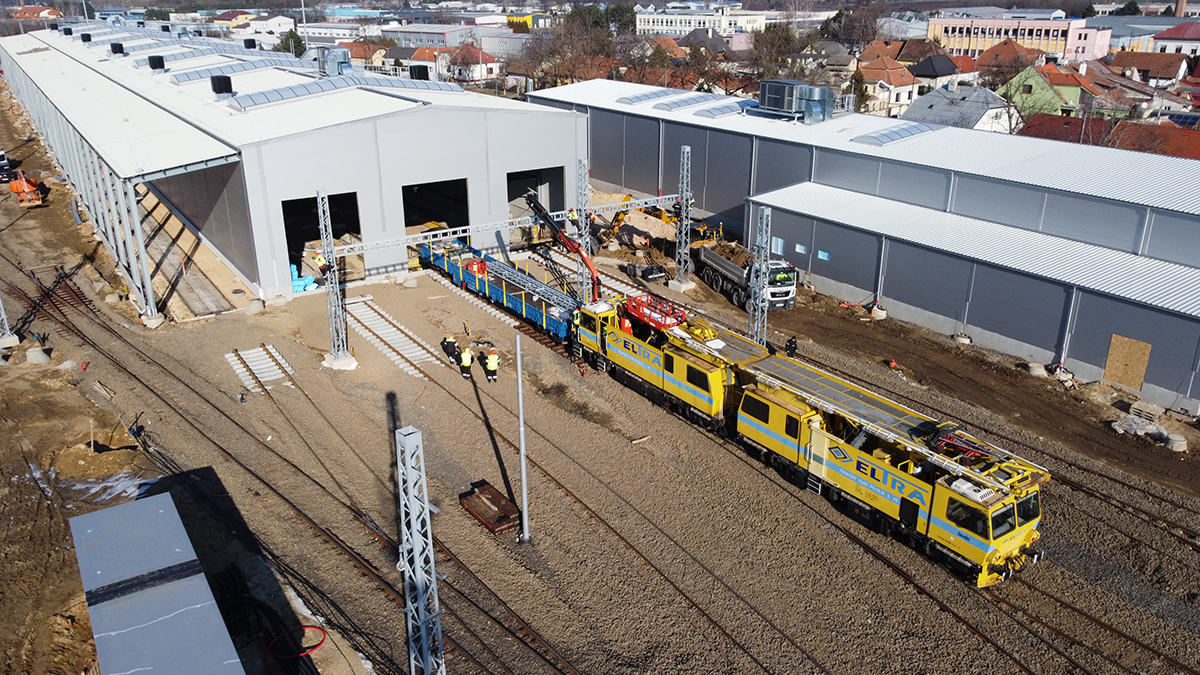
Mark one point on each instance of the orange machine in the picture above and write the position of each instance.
(26, 190)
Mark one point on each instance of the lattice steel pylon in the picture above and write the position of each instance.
(683, 228)
(7, 338)
(583, 287)
(760, 251)
(425, 655)
(333, 291)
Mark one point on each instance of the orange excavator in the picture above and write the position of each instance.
(26, 190)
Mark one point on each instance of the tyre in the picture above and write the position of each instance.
(706, 276)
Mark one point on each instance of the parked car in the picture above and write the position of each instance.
(6, 170)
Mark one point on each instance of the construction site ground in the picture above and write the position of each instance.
(709, 527)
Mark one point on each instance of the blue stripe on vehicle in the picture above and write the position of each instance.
(688, 385)
(757, 426)
(983, 545)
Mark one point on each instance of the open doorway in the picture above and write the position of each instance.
(440, 204)
(302, 225)
(547, 183)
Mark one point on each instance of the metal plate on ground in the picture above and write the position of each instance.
(491, 508)
(263, 366)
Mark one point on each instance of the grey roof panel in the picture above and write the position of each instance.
(1137, 278)
(240, 67)
(105, 539)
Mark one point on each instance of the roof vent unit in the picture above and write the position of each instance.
(53, 26)
(141, 24)
(222, 86)
(331, 61)
(157, 63)
(795, 100)
(166, 28)
(67, 30)
(85, 37)
(182, 32)
(117, 48)
(250, 43)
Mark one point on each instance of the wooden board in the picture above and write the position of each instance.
(490, 507)
(1127, 362)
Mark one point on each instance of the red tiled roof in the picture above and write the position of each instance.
(1070, 129)
(36, 13)
(1057, 78)
(965, 63)
(361, 50)
(1184, 31)
(1162, 138)
(1005, 53)
(663, 77)
(671, 47)
(915, 51)
(881, 48)
(467, 54)
(429, 53)
(888, 71)
(1164, 66)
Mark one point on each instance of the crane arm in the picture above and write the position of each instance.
(570, 244)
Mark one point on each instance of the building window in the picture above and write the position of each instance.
(1038, 33)
(822, 255)
(1179, 50)
(910, 94)
(1162, 50)
(801, 249)
(776, 246)
(1027, 89)
(1022, 32)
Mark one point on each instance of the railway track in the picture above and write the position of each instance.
(53, 303)
(684, 595)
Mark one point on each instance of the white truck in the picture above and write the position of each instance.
(725, 267)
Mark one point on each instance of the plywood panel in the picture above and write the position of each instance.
(1127, 361)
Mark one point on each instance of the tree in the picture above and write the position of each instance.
(1131, 8)
(1169, 10)
(659, 58)
(1089, 12)
(156, 14)
(518, 26)
(624, 17)
(858, 87)
(290, 42)
(774, 47)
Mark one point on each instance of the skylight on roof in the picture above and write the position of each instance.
(246, 101)
(893, 134)
(647, 96)
(685, 102)
(730, 108)
(239, 67)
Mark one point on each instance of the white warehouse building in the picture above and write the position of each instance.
(243, 169)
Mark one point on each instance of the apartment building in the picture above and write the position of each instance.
(1067, 41)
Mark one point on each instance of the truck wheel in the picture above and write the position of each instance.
(718, 283)
(706, 276)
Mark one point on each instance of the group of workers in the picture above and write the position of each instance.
(464, 357)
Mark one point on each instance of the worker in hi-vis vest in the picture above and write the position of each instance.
(464, 363)
(492, 365)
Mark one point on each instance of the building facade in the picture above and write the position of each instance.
(1063, 40)
(679, 23)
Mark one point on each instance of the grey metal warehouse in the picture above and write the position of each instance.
(243, 169)
(1053, 252)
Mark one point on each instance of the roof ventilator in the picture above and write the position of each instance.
(795, 100)
(117, 49)
(67, 30)
(222, 86)
(53, 26)
(157, 63)
(85, 37)
(331, 61)
(250, 43)
(166, 28)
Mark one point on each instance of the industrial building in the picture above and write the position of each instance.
(237, 142)
(1052, 252)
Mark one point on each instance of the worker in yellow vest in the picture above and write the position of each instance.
(464, 363)
(492, 365)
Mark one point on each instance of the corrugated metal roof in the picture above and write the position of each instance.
(1146, 179)
(1124, 275)
(149, 603)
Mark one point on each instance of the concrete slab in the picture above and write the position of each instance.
(9, 340)
(340, 363)
(680, 286)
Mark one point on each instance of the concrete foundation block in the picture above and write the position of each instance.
(37, 355)
(255, 306)
(346, 362)
(680, 286)
(153, 321)
(9, 340)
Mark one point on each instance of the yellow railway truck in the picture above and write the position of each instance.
(968, 504)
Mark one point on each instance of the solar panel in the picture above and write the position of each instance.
(893, 134)
(239, 67)
(648, 96)
(686, 101)
(730, 108)
(247, 101)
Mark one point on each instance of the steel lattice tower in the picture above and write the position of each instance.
(760, 250)
(583, 286)
(425, 655)
(683, 228)
(333, 290)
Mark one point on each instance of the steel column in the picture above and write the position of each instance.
(151, 309)
(333, 291)
(5, 331)
(421, 608)
(683, 228)
(760, 250)
(583, 278)
(121, 215)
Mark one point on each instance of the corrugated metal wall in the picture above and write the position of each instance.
(1018, 306)
(845, 255)
(1174, 237)
(780, 164)
(215, 201)
(797, 235)
(850, 172)
(676, 136)
(1174, 340)
(641, 154)
(1094, 221)
(727, 179)
(607, 152)
(924, 278)
(998, 202)
(914, 185)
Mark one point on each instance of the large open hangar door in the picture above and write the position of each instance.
(440, 204)
(547, 183)
(300, 222)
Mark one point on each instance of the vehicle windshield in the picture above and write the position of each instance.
(1003, 522)
(1029, 508)
(967, 518)
(782, 278)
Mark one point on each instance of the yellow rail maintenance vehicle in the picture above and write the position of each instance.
(963, 502)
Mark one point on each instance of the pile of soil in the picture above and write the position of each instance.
(733, 252)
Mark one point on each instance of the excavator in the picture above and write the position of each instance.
(570, 244)
(26, 190)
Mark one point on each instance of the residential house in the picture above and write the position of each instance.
(365, 53)
(1161, 71)
(1030, 93)
(1182, 39)
(470, 64)
(879, 49)
(915, 51)
(668, 45)
(936, 71)
(1004, 60)
(965, 64)
(431, 63)
(1085, 130)
(710, 41)
(963, 107)
(1125, 93)
(836, 72)
(233, 17)
(890, 87)
(37, 13)
(272, 24)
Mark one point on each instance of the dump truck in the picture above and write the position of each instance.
(725, 267)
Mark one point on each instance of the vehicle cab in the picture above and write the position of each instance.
(982, 532)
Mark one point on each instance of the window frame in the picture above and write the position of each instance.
(696, 377)
(963, 523)
(755, 401)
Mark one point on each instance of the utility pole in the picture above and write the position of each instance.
(421, 608)
(760, 250)
(683, 226)
(583, 232)
(339, 357)
(304, 25)
(524, 536)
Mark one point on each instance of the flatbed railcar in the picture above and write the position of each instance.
(963, 502)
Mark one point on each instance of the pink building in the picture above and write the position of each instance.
(1064, 40)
